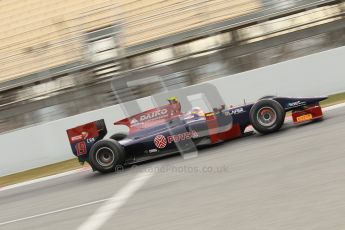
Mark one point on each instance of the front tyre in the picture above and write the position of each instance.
(267, 116)
(106, 155)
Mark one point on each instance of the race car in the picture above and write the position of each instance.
(167, 130)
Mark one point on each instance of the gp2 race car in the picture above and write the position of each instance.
(166, 130)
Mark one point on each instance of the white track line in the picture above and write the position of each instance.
(52, 212)
(333, 107)
(44, 179)
(111, 206)
(329, 108)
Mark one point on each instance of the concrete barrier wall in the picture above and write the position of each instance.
(318, 74)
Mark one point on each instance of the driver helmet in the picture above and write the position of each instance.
(172, 100)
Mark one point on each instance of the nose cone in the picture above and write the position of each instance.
(322, 98)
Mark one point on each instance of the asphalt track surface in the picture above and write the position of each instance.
(294, 179)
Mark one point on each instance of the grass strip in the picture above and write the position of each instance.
(40, 172)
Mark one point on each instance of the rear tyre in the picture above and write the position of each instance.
(106, 155)
(118, 136)
(267, 116)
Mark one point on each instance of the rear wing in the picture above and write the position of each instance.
(83, 137)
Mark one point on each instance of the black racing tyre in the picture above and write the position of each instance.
(118, 136)
(106, 155)
(267, 116)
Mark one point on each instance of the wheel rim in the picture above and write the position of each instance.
(266, 116)
(105, 157)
